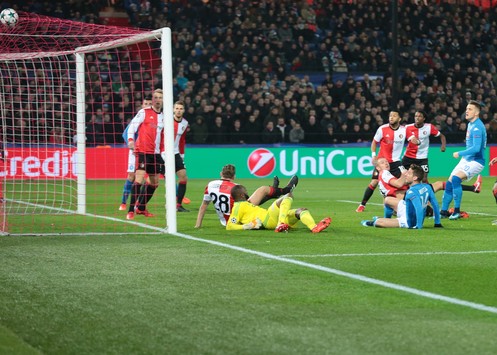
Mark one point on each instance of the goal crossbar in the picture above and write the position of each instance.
(121, 41)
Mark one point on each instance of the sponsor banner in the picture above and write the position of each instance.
(309, 162)
(57, 163)
(34, 162)
(261, 162)
(204, 162)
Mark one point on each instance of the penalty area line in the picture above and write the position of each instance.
(390, 285)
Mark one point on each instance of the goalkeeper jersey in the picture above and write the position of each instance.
(244, 212)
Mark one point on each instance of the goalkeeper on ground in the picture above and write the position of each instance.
(279, 216)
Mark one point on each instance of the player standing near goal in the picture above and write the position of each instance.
(148, 148)
(391, 138)
(147, 102)
(219, 193)
(279, 216)
(180, 128)
(471, 163)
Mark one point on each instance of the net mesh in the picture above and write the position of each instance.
(38, 34)
(39, 187)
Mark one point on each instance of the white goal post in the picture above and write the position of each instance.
(167, 75)
(40, 195)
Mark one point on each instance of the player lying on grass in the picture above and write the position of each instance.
(411, 211)
(279, 216)
(390, 186)
(219, 193)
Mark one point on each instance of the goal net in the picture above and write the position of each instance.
(67, 91)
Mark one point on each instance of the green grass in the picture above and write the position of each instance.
(164, 294)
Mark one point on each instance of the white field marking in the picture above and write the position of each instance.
(393, 254)
(358, 202)
(416, 292)
(380, 204)
(80, 234)
(420, 293)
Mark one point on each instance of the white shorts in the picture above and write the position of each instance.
(469, 168)
(401, 214)
(131, 161)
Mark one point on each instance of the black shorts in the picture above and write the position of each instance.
(179, 164)
(153, 164)
(423, 163)
(395, 168)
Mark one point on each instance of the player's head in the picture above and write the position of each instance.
(394, 118)
(228, 172)
(179, 109)
(147, 101)
(239, 193)
(157, 100)
(473, 110)
(417, 173)
(382, 164)
(420, 118)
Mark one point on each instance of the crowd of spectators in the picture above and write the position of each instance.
(315, 71)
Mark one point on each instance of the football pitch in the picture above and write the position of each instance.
(348, 290)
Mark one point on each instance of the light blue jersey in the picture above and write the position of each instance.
(476, 142)
(417, 198)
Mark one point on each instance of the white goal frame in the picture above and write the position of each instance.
(164, 35)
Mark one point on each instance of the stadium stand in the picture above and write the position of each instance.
(330, 60)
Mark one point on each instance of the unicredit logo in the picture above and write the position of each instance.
(261, 162)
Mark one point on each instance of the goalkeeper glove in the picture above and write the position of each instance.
(255, 224)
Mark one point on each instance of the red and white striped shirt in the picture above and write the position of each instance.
(151, 125)
(386, 189)
(391, 142)
(180, 129)
(423, 135)
(219, 193)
